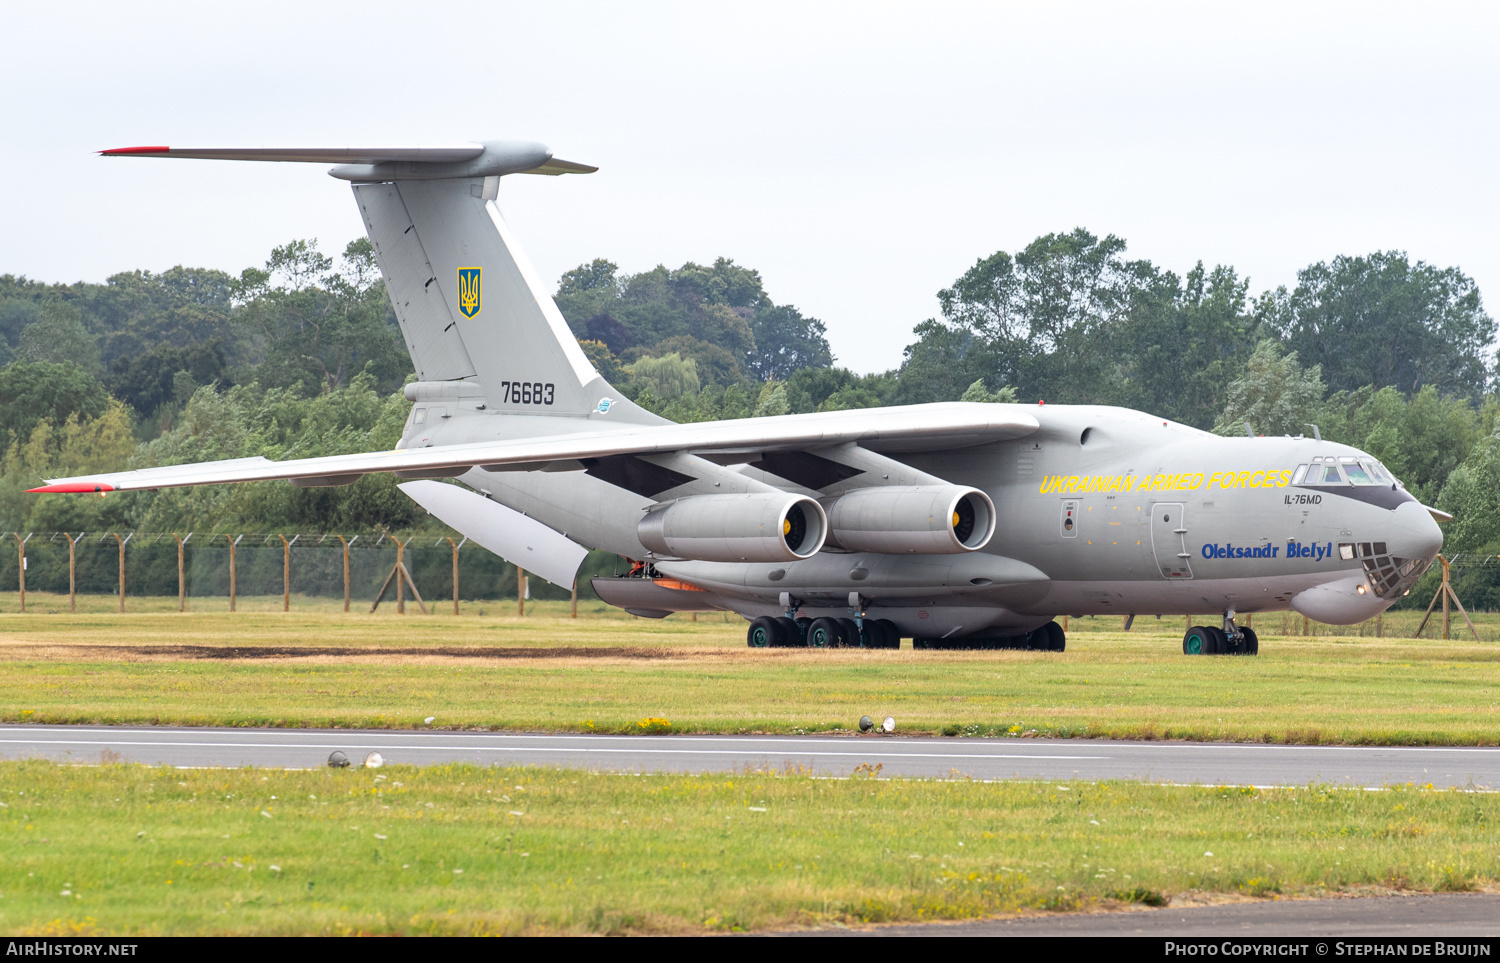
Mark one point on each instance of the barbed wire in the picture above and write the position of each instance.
(362, 540)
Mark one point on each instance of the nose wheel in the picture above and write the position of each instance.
(1229, 640)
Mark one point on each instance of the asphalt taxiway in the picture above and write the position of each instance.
(1091, 759)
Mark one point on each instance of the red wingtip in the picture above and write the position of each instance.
(73, 488)
(133, 150)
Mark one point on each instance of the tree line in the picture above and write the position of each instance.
(302, 356)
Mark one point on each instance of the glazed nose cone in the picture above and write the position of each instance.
(1413, 533)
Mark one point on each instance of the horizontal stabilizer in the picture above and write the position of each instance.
(391, 162)
(432, 154)
(908, 428)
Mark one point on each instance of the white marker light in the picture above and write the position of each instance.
(889, 725)
(374, 760)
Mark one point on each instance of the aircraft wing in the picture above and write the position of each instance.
(907, 428)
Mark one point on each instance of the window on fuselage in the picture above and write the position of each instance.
(1331, 476)
(1357, 474)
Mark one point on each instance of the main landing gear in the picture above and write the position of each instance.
(767, 633)
(1230, 640)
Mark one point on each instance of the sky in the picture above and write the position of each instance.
(860, 156)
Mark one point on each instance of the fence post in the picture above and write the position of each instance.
(121, 543)
(520, 590)
(400, 583)
(286, 572)
(232, 543)
(575, 597)
(455, 576)
(72, 570)
(21, 564)
(346, 569)
(181, 580)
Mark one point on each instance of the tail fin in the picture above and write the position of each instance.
(470, 305)
(468, 300)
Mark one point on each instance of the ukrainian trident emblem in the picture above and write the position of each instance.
(468, 291)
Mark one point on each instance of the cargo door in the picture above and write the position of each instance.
(1169, 539)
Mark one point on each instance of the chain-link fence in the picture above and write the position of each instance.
(203, 571)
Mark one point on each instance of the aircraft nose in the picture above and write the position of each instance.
(1413, 533)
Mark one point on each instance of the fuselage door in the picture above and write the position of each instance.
(1169, 539)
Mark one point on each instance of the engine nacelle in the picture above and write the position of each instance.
(754, 527)
(926, 520)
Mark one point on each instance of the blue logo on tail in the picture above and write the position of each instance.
(468, 291)
(604, 405)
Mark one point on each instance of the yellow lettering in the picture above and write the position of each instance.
(1239, 480)
(1258, 479)
(1286, 478)
(1195, 482)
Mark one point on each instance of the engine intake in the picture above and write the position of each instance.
(925, 520)
(755, 527)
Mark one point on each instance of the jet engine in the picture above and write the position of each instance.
(925, 520)
(754, 527)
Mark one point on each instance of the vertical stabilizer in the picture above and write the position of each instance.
(469, 302)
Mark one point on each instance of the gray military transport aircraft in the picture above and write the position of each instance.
(956, 525)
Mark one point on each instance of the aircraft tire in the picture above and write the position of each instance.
(1233, 646)
(763, 633)
(851, 639)
(1219, 641)
(802, 625)
(1057, 639)
(791, 633)
(890, 636)
(824, 634)
(1251, 643)
(1197, 641)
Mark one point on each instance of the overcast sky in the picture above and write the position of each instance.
(860, 156)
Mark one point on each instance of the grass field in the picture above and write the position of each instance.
(449, 850)
(606, 670)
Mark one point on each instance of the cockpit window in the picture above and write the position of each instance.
(1331, 476)
(1300, 475)
(1377, 472)
(1358, 476)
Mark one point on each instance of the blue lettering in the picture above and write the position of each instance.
(1274, 549)
(1208, 551)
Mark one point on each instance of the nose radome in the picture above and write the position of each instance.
(1413, 533)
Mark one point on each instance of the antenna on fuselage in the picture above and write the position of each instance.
(1317, 435)
(1248, 432)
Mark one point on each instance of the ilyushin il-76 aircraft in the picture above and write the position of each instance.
(956, 525)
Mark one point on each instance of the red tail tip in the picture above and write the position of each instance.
(133, 150)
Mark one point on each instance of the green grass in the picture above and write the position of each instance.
(606, 671)
(459, 849)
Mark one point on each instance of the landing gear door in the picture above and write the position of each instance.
(1169, 539)
(1067, 524)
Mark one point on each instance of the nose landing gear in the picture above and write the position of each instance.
(1230, 640)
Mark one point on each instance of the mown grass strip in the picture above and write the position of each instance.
(463, 849)
(604, 674)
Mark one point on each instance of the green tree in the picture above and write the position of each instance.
(317, 327)
(1275, 395)
(58, 336)
(977, 392)
(786, 341)
(34, 390)
(1186, 344)
(668, 377)
(772, 400)
(1382, 320)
